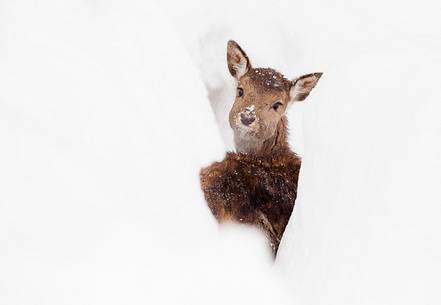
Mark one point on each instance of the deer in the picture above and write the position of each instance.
(257, 183)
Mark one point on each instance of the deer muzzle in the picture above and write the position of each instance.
(248, 116)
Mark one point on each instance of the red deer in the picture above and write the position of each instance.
(257, 184)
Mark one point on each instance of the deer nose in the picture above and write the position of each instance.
(246, 119)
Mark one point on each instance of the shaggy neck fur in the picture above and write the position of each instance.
(275, 144)
(257, 187)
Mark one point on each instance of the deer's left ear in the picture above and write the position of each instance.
(238, 62)
(302, 86)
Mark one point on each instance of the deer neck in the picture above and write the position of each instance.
(275, 144)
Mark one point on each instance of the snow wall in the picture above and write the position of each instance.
(104, 125)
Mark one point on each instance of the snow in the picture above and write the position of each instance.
(365, 228)
(104, 127)
(250, 109)
(105, 121)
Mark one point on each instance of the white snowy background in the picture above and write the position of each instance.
(105, 121)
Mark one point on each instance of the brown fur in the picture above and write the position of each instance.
(254, 190)
(258, 184)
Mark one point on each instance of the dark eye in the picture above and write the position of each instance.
(276, 105)
(239, 92)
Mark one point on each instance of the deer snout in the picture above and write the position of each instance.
(247, 119)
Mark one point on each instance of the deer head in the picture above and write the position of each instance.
(262, 97)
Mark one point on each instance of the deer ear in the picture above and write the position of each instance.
(302, 86)
(238, 62)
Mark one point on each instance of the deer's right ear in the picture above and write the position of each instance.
(302, 86)
(238, 62)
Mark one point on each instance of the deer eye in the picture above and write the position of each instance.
(276, 105)
(239, 92)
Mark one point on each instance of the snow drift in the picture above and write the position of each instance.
(104, 125)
